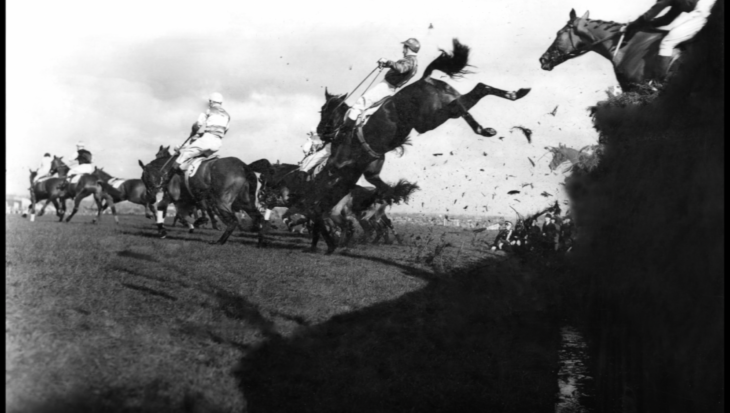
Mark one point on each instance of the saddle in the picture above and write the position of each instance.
(365, 115)
(195, 163)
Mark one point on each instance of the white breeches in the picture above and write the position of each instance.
(378, 92)
(86, 168)
(205, 145)
(685, 27)
(316, 159)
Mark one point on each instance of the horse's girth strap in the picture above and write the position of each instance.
(368, 149)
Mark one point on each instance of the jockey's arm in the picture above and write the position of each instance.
(657, 8)
(667, 18)
(401, 66)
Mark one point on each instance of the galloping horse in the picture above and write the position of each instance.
(634, 63)
(423, 105)
(226, 185)
(86, 185)
(114, 192)
(48, 189)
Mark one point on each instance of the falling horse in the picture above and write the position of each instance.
(226, 185)
(49, 189)
(423, 105)
(85, 185)
(634, 62)
(282, 185)
(115, 190)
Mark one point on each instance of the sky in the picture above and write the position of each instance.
(128, 77)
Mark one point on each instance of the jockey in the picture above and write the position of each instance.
(44, 169)
(683, 20)
(316, 152)
(83, 159)
(209, 130)
(399, 74)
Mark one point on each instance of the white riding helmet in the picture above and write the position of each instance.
(216, 97)
(80, 145)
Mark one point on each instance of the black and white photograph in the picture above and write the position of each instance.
(383, 206)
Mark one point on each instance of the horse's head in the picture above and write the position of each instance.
(152, 176)
(57, 166)
(559, 157)
(332, 113)
(102, 174)
(33, 174)
(570, 42)
(164, 151)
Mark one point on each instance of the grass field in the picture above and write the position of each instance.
(110, 318)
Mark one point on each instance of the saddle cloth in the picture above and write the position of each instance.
(116, 182)
(196, 162)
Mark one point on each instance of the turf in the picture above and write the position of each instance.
(110, 318)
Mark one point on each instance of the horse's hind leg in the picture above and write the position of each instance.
(224, 211)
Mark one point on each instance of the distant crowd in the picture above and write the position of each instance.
(556, 234)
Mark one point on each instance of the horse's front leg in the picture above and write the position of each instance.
(98, 199)
(77, 202)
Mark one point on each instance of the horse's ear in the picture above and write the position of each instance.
(161, 147)
(585, 16)
(327, 94)
(572, 14)
(140, 163)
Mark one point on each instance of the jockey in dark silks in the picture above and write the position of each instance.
(683, 20)
(399, 74)
(84, 162)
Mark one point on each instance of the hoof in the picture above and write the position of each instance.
(520, 93)
(162, 234)
(488, 132)
(191, 230)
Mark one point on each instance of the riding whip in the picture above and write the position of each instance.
(618, 46)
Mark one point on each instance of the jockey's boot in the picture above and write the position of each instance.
(665, 63)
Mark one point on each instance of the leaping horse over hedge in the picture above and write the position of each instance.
(423, 105)
(634, 63)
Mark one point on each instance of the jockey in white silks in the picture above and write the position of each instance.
(44, 169)
(399, 74)
(210, 128)
(683, 20)
(316, 153)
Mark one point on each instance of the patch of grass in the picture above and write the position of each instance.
(106, 317)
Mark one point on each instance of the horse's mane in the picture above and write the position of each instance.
(452, 64)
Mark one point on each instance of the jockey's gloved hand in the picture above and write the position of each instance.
(176, 149)
(382, 63)
(636, 25)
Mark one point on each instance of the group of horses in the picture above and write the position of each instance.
(225, 187)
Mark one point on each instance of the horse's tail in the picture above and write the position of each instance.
(452, 64)
(400, 192)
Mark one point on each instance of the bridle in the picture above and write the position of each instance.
(585, 49)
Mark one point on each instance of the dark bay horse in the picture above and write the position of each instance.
(87, 184)
(49, 189)
(226, 185)
(421, 106)
(635, 63)
(114, 192)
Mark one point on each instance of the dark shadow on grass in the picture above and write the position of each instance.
(136, 255)
(476, 341)
(151, 397)
(407, 270)
(150, 291)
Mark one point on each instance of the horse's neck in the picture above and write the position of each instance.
(62, 170)
(600, 29)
